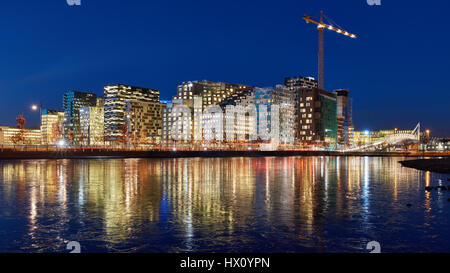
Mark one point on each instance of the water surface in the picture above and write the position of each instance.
(274, 204)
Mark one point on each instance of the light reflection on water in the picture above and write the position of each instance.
(285, 204)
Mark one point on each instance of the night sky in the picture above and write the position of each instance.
(397, 70)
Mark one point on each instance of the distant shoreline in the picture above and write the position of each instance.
(98, 154)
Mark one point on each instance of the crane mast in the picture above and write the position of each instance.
(321, 72)
(321, 26)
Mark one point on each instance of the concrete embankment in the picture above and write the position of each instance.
(104, 153)
(87, 154)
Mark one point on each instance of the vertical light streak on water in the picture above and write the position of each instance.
(188, 203)
(62, 190)
(61, 185)
(292, 164)
(366, 192)
(395, 185)
(322, 166)
(84, 174)
(128, 181)
(427, 193)
(33, 206)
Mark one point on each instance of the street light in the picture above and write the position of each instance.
(61, 143)
(35, 107)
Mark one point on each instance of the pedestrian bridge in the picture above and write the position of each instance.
(390, 140)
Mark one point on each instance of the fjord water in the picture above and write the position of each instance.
(274, 204)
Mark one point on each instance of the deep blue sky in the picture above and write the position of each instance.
(397, 71)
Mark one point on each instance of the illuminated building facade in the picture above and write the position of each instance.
(52, 126)
(281, 126)
(437, 145)
(293, 83)
(240, 118)
(344, 117)
(212, 93)
(181, 120)
(367, 137)
(262, 115)
(116, 97)
(73, 102)
(8, 135)
(92, 123)
(168, 119)
(317, 115)
(237, 97)
(144, 121)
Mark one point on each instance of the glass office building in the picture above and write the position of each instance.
(73, 102)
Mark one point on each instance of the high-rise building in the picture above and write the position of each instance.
(92, 123)
(211, 92)
(344, 117)
(317, 115)
(293, 83)
(116, 97)
(144, 121)
(52, 126)
(73, 101)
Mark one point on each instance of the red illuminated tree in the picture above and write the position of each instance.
(123, 138)
(71, 135)
(19, 137)
(144, 136)
(56, 132)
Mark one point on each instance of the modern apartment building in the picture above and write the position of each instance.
(116, 97)
(316, 115)
(52, 126)
(212, 93)
(144, 121)
(344, 117)
(73, 102)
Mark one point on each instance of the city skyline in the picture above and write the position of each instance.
(224, 134)
(48, 68)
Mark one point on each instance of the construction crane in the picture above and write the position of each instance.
(321, 26)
